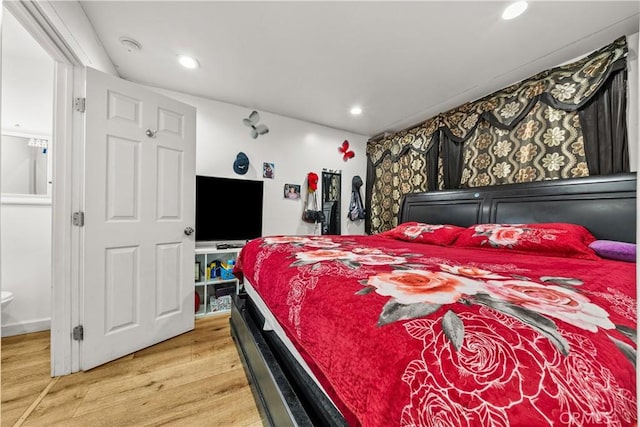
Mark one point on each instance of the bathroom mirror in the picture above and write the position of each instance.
(25, 164)
(331, 189)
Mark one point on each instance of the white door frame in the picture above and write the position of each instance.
(66, 196)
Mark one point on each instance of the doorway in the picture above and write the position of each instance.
(56, 202)
(27, 129)
(68, 198)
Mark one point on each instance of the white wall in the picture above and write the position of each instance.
(26, 80)
(26, 267)
(294, 146)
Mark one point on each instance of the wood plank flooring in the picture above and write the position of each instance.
(195, 379)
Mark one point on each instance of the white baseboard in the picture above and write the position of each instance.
(26, 327)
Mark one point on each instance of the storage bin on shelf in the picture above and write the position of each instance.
(226, 270)
(221, 270)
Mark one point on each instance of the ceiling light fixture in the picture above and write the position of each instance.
(130, 44)
(356, 111)
(38, 142)
(514, 10)
(188, 62)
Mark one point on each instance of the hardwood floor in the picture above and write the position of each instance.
(195, 379)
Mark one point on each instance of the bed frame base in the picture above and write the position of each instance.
(285, 393)
(277, 403)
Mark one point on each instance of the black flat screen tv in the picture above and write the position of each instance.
(228, 209)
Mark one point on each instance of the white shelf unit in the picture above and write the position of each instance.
(215, 292)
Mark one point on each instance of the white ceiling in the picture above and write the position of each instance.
(403, 62)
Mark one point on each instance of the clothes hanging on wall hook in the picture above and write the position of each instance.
(356, 207)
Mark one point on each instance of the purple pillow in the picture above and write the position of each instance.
(611, 249)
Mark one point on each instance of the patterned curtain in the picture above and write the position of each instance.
(530, 131)
(399, 165)
(546, 144)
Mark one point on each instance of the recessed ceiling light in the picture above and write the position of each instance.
(514, 10)
(356, 111)
(188, 61)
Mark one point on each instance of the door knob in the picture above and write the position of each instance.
(151, 133)
(188, 231)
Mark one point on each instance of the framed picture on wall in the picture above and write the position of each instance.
(268, 170)
(291, 191)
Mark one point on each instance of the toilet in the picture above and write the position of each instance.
(7, 297)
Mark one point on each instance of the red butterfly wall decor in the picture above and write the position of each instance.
(344, 149)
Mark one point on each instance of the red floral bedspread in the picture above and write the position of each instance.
(409, 334)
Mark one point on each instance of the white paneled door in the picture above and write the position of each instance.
(139, 194)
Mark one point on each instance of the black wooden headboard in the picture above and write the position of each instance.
(605, 205)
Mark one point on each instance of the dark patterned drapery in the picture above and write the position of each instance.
(569, 121)
(603, 122)
(546, 144)
(396, 166)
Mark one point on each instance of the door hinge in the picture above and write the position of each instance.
(79, 104)
(78, 333)
(78, 219)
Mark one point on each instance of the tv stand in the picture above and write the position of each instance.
(215, 283)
